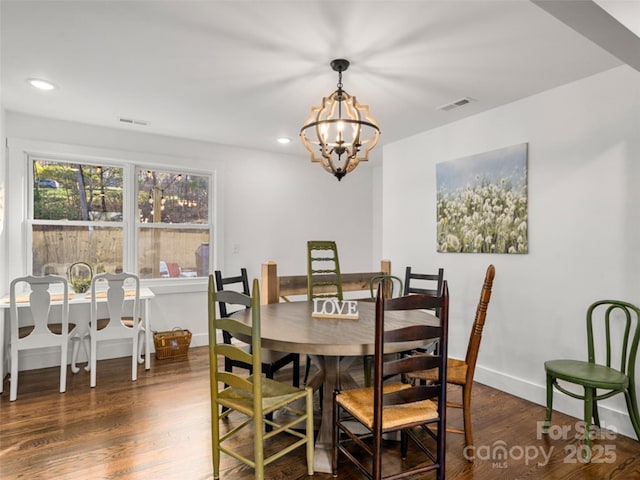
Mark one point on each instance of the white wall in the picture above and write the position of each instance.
(3, 170)
(269, 205)
(584, 166)
(4, 283)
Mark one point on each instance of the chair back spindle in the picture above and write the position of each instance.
(475, 337)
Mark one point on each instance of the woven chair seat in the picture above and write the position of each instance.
(359, 403)
(456, 373)
(275, 395)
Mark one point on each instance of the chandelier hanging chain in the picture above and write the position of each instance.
(339, 85)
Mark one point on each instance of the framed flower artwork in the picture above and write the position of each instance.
(482, 202)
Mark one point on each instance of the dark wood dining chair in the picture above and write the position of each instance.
(272, 361)
(460, 372)
(389, 407)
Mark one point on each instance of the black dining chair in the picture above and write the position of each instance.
(426, 284)
(272, 361)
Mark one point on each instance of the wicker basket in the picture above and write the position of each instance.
(172, 344)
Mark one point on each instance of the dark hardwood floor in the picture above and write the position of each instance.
(159, 428)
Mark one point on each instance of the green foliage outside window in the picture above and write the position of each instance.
(65, 191)
(87, 194)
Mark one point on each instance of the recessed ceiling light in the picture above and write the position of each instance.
(41, 84)
(284, 140)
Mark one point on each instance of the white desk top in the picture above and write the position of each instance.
(74, 298)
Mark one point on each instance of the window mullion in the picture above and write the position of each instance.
(131, 220)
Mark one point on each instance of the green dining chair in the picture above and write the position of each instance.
(251, 400)
(324, 279)
(616, 319)
(389, 284)
(323, 270)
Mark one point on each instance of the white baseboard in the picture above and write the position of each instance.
(50, 357)
(202, 339)
(610, 416)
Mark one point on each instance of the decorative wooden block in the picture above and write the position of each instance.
(334, 308)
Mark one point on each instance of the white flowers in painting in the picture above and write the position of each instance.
(482, 203)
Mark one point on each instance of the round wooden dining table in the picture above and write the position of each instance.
(333, 343)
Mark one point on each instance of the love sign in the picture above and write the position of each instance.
(334, 308)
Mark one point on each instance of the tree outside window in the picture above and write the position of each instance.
(78, 215)
(173, 228)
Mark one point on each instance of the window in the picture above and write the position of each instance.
(83, 212)
(77, 215)
(173, 227)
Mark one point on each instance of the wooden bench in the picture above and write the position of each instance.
(275, 288)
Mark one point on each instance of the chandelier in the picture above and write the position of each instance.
(340, 133)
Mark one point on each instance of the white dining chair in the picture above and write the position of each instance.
(36, 324)
(118, 323)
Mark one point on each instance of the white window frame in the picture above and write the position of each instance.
(19, 214)
(169, 226)
(31, 221)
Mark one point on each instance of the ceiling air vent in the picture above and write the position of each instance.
(133, 121)
(458, 103)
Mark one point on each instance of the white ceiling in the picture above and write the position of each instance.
(243, 73)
